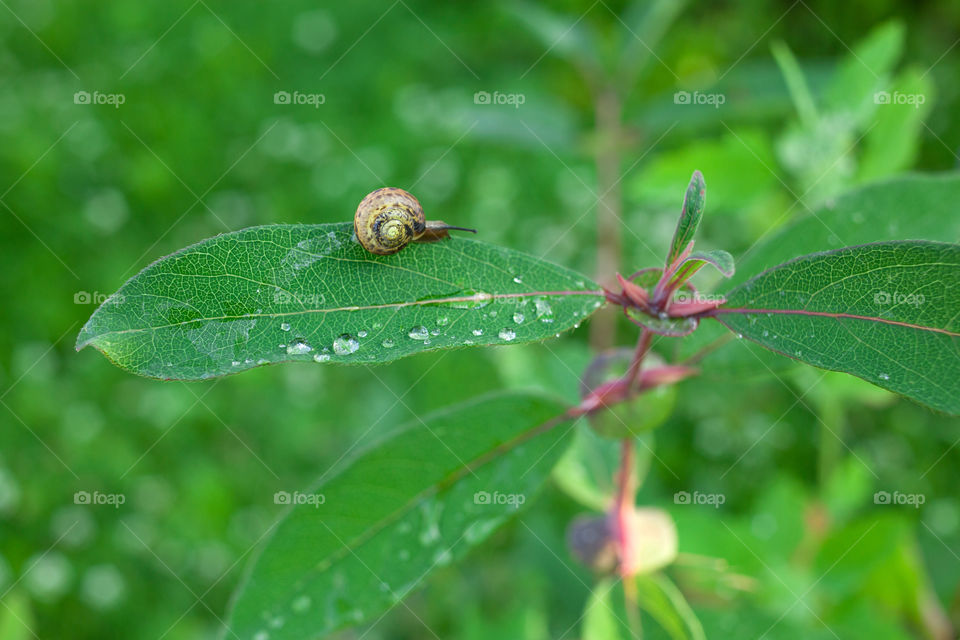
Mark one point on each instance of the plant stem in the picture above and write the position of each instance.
(608, 114)
(643, 347)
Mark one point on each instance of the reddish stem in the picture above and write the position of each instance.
(643, 346)
(622, 509)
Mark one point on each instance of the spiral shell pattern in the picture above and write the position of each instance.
(387, 220)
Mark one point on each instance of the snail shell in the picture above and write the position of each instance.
(389, 219)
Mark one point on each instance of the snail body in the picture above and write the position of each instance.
(389, 219)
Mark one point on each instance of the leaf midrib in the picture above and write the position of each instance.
(390, 305)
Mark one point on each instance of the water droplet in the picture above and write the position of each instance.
(739, 336)
(361, 334)
(518, 279)
(493, 314)
(345, 344)
(477, 332)
(419, 333)
(443, 321)
(884, 376)
(285, 326)
(277, 622)
(321, 357)
(544, 311)
(507, 334)
(518, 318)
(236, 363)
(765, 333)
(388, 343)
(301, 604)
(468, 342)
(435, 332)
(261, 635)
(298, 347)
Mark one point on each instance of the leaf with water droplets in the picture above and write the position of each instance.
(417, 500)
(887, 312)
(290, 292)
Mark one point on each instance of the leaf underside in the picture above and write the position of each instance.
(310, 292)
(886, 312)
(405, 506)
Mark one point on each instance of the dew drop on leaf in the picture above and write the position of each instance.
(345, 344)
(419, 333)
(477, 332)
(388, 343)
(544, 311)
(361, 334)
(518, 318)
(298, 347)
(285, 326)
(507, 334)
(884, 376)
(321, 357)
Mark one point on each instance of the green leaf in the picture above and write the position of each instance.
(693, 203)
(310, 292)
(864, 71)
(667, 605)
(887, 312)
(873, 213)
(719, 258)
(796, 82)
(892, 144)
(600, 619)
(417, 500)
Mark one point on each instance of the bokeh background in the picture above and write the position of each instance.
(92, 191)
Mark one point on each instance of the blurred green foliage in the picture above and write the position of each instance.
(91, 193)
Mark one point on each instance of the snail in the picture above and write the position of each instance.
(389, 219)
